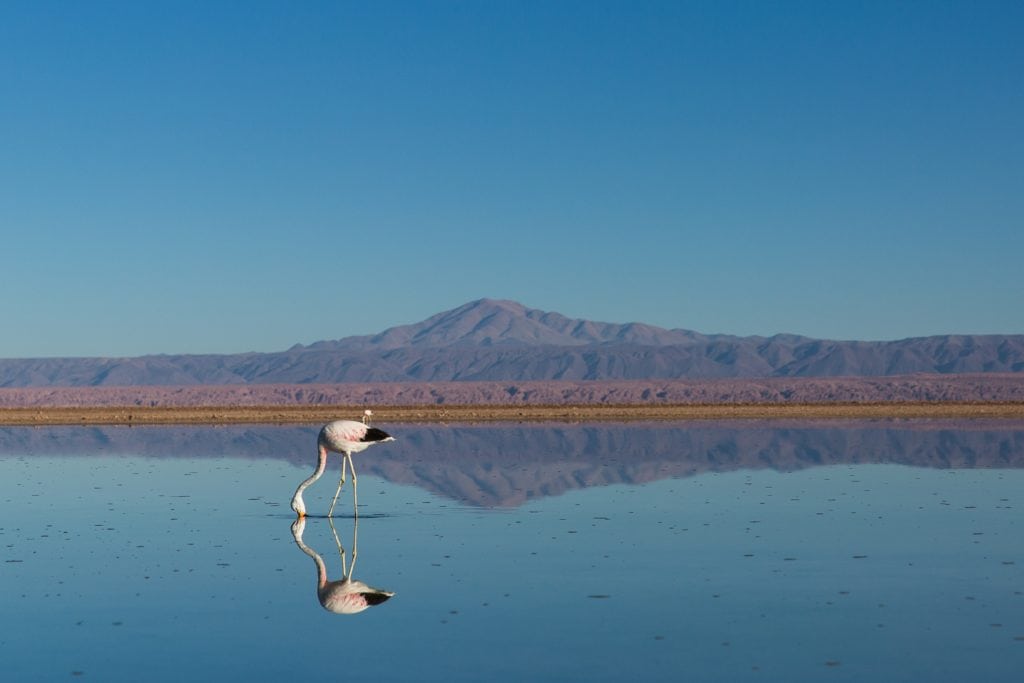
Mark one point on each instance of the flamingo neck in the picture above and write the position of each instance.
(321, 465)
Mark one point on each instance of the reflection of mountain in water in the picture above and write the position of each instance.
(506, 465)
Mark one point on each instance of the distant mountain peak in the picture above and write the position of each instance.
(504, 323)
(486, 302)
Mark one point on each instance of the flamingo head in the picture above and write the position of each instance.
(298, 505)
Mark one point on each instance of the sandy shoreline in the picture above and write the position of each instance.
(214, 415)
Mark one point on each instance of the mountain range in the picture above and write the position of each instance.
(498, 340)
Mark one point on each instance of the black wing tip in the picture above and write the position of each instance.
(374, 434)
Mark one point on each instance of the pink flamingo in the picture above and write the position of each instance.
(345, 437)
(347, 595)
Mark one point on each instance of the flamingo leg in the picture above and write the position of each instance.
(340, 484)
(355, 489)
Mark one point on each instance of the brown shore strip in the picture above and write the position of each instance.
(214, 415)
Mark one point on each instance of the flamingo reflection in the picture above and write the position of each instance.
(346, 595)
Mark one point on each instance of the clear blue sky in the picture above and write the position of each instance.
(231, 176)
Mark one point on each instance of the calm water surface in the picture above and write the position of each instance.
(697, 551)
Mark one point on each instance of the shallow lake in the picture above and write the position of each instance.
(653, 552)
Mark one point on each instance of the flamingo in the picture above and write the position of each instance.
(347, 595)
(345, 437)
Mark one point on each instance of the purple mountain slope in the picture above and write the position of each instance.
(493, 340)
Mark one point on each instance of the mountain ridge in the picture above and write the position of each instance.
(502, 340)
(501, 322)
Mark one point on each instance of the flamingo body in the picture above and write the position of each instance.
(348, 437)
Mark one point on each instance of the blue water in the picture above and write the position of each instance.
(705, 552)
